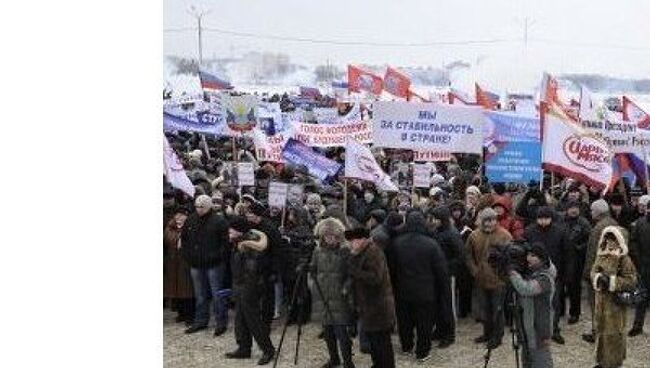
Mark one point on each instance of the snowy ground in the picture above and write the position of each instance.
(202, 350)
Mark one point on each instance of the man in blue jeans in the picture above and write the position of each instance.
(203, 243)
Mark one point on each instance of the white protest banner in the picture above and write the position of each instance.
(269, 148)
(278, 194)
(431, 156)
(332, 135)
(361, 164)
(423, 126)
(622, 136)
(245, 174)
(571, 151)
(326, 115)
(295, 194)
(174, 171)
(421, 175)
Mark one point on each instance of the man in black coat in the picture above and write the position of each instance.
(548, 231)
(203, 244)
(272, 259)
(422, 276)
(640, 253)
(578, 231)
(451, 243)
(248, 284)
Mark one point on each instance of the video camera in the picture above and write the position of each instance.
(512, 256)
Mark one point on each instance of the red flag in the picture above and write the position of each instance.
(396, 83)
(632, 112)
(361, 80)
(456, 97)
(486, 99)
(549, 94)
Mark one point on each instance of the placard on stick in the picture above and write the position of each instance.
(278, 194)
(245, 174)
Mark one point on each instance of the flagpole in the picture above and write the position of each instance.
(645, 164)
(345, 198)
(205, 146)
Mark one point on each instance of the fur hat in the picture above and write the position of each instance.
(644, 200)
(331, 226)
(599, 207)
(473, 189)
(486, 214)
(314, 198)
(203, 201)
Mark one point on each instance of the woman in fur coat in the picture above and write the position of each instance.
(613, 271)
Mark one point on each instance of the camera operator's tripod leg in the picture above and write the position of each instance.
(302, 274)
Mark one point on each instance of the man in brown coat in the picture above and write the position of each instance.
(491, 289)
(373, 294)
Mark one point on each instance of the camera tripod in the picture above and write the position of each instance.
(518, 334)
(299, 285)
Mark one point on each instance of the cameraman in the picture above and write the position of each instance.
(535, 294)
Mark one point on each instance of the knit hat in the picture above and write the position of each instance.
(487, 214)
(239, 224)
(435, 191)
(644, 200)
(203, 201)
(314, 198)
(545, 212)
(599, 207)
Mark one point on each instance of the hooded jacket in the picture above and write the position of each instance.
(602, 221)
(507, 221)
(329, 266)
(536, 298)
(610, 317)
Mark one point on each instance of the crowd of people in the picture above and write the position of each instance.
(411, 262)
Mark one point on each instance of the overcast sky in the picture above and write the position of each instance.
(611, 37)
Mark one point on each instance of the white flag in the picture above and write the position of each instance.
(361, 164)
(588, 106)
(173, 170)
(572, 151)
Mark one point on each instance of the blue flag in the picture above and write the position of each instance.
(297, 153)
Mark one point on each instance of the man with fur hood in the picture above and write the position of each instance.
(248, 283)
(329, 265)
(612, 272)
(488, 235)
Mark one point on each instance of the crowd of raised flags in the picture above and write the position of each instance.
(579, 139)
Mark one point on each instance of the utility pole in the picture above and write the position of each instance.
(199, 17)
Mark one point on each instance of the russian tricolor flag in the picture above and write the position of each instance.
(212, 82)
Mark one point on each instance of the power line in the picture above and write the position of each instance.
(345, 42)
(527, 39)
